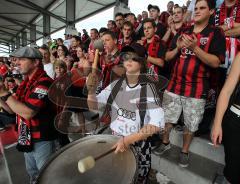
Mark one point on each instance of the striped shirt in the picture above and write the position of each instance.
(190, 76)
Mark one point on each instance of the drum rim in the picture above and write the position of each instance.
(58, 152)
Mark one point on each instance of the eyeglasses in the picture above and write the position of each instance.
(126, 56)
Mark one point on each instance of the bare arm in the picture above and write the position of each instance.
(171, 54)
(156, 61)
(20, 108)
(235, 32)
(6, 107)
(143, 134)
(91, 83)
(92, 102)
(209, 59)
(223, 101)
(227, 91)
(167, 35)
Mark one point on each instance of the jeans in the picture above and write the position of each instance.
(35, 159)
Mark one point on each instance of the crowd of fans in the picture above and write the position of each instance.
(192, 46)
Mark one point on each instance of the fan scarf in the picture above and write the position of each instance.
(231, 43)
(24, 126)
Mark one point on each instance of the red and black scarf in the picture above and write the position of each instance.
(122, 44)
(107, 63)
(152, 49)
(24, 126)
(221, 13)
(232, 44)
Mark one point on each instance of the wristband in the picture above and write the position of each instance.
(5, 97)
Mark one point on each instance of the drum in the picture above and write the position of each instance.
(118, 168)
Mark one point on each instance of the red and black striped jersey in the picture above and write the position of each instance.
(36, 98)
(190, 76)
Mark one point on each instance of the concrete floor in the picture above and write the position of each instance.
(16, 166)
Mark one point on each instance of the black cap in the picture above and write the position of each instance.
(27, 52)
(136, 48)
(150, 6)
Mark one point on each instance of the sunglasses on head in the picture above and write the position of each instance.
(126, 56)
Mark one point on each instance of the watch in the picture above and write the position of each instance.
(5, 97)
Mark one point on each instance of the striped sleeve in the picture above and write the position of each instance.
(38, 97)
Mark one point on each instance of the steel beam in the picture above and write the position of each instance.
(13, 46)
(22, 5)
(19, 24)
(46, 25)
(93, 1)
(96, 12)
(3, 43)
(3, 48)
(33, 35)
(17, 42)
(43, 11)
(7, 33)
(70, 12)
(24, 39)
(5, 27)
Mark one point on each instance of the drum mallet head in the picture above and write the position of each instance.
(86, 164)
(89, 162)
(98, 44)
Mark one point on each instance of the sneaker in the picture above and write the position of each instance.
(162, 148)
(183, 160)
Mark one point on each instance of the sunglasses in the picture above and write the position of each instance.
(126, 56)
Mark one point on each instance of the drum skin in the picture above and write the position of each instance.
(62, 167)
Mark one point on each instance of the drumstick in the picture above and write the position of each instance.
(89, 162)
(98, 46)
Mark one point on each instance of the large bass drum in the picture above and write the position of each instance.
(118, 168)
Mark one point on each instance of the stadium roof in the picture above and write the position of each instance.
(18, 16)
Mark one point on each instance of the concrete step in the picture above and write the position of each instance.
(200, 170)
(200, 146)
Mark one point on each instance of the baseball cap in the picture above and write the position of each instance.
(150, 6)
(135, 48)
(27, 52)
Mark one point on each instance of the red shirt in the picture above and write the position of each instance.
(34, 94)
(190, 76)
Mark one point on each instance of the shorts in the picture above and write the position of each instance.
(231, 142)
(193, 109)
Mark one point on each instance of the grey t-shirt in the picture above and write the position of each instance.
(125, 118)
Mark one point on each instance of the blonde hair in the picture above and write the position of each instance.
(60, 63)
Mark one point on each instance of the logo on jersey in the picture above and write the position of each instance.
(41, 93)
(126, 114)
(204, 40)
(185, 52)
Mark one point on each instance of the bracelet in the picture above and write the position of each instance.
(5, 97)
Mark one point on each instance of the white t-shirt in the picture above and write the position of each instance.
(67, 43)
(48, 68)
(125, 115)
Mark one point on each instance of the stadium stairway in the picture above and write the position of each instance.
(205, 165)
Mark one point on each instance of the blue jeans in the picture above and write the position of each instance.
(35, 159)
